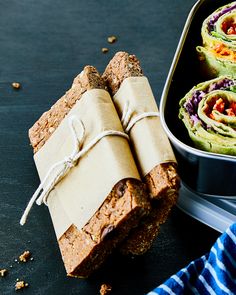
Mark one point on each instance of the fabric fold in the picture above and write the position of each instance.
(213, 273)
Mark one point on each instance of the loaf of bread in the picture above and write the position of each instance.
(162, 181)
(84, 250)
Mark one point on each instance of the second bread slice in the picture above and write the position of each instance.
(162, 181)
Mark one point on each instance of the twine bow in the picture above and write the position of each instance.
(61, 168)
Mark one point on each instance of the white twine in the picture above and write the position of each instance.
(128, 122)
(60, 169)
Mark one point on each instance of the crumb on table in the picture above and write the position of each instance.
(25, 256)
(105, 50)
(105, 289)
(111, 39)
(3, 272)
(20, 285)
(15, 85)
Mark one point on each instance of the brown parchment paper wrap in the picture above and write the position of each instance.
(76, 198)
(150, 143)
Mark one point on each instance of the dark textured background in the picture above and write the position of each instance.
(43, 45)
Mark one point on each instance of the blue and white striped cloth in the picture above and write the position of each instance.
(213, 273)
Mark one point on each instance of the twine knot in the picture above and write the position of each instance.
(70, 162)
(128, 120)
(61, 168)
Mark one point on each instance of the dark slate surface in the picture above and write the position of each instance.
(43, 45)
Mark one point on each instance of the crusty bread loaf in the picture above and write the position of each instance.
(84, 250)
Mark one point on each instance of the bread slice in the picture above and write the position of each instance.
(84, 250)
(162, 181)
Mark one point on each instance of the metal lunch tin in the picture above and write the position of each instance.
(204, 173)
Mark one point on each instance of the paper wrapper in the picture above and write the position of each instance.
(76, 198)
(150, 143)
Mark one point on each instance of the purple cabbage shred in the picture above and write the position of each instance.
(195, 119)
(215, 17)
(223, 84)
(191, 105)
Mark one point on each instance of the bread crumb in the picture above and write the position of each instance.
(51, 130)
(111, 39)
(25, 256)
(105, 50)
(16, 85)
(105, 289)
(3, 272)
(20, 285)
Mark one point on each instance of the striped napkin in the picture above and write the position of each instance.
(213, 273)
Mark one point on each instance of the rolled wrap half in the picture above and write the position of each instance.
(218, 53)
(208, 111)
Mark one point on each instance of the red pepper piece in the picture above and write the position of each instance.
(233, 106)
(230, 112)
(231, 31)
(219, 105)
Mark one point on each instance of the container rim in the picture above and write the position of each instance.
(164, 95)
(219, 214)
